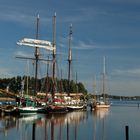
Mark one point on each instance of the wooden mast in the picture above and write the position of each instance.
(69, 59)
(36, 57)
(77, 90)
(47, 79)
(54, 54)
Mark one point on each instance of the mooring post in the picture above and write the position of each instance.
(127, 132)
(33, 131)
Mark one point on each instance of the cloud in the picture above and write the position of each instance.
(6, 72)
(16, 17)
(115, 87)
(129, 72)
(81, 45)
(122, 87)
(23, 18)
(89, 44)
(23, 54)
(20, 14)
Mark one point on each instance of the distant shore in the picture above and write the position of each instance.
(7, 99)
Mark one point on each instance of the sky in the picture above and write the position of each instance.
(109, 28)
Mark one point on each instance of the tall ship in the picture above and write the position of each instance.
(29, 105)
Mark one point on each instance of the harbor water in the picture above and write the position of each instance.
(103, 124)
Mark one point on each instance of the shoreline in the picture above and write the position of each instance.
(7, 99)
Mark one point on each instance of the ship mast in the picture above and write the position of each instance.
(36, 44)
(47, 78)
(94, 88)
(36, 57)
(54, 54)
(69, 59)
(104, 74)
(77, 89)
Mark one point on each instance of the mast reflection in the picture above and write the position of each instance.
(44, 127)
(101, 113)
(100, 116)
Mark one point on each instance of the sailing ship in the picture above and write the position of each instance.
(102, 103)
(77, 105)
(51, 107)
(54, 107)
(37, 44)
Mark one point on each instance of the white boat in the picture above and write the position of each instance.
(27, 110)
(75, 107)
(101, 104)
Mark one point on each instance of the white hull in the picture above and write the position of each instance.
(101, 106)
(27, 110)
(75, 107)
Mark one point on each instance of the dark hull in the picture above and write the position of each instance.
(9, 110)
(42, 110)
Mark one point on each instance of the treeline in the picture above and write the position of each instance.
(116, 97)
(16, 84)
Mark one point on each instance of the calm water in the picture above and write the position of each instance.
(96, 125)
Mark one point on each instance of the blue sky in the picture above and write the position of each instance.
(108, 28)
